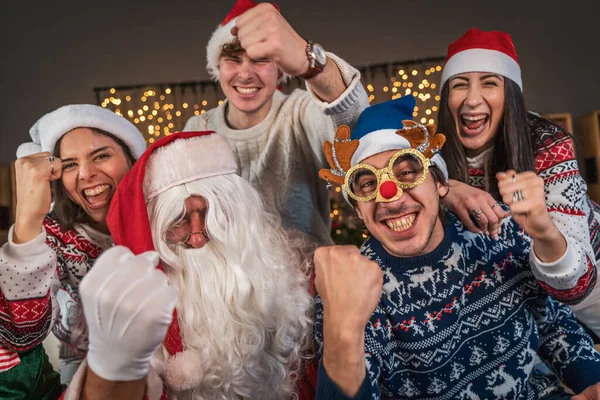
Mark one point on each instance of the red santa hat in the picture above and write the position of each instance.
(171, 161)
(222, 35)
(480, 51)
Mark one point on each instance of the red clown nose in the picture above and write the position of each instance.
(388, 189)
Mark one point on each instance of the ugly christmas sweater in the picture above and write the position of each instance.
(39, 283)
(570, 208)
(466, 322)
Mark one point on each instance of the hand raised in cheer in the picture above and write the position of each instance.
(349, 285)
(265, 34)
(524, 194)
(128, 305)
(34, 195)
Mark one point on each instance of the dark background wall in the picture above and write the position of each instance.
(55, 53)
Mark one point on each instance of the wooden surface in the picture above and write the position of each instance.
(565, 120)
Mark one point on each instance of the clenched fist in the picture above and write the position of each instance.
(33, 176)
(349, 285)
(128, 306)
(524, 194)
(350, 288)
(265, 34)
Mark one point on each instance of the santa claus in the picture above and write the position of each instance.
(227, 313)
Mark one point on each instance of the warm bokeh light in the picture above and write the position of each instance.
(160, 110)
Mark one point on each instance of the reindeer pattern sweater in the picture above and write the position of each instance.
(466, 322)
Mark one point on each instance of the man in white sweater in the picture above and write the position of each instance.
(277, 138)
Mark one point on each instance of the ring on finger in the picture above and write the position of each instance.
(50, 160)
(518, 196)
(495, 204)
(476, 214)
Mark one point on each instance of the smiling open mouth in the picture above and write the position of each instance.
(98, 196)
(402, 223)
(246, 90)
(474, 124)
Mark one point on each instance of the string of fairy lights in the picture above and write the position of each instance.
(161, 109)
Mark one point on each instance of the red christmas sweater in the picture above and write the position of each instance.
(39, 283)
(575, 215)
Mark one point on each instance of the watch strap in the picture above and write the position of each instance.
(313, 68)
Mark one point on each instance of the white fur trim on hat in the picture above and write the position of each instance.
(51, 127)
(221, 36)
(28, 148)
(377, 142)
(187, 160)
(482, 60)
(387, 139)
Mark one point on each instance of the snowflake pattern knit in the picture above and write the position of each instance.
(466, 322)
(39, 283)
(575, 215)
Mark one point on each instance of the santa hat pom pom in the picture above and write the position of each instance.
(183, 371)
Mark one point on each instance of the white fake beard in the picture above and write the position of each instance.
(246, 320)
(244, 305)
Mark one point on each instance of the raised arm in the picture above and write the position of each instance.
(349, 287)
(559, 259)
(26, 274)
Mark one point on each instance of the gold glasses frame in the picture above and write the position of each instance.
(390, 172)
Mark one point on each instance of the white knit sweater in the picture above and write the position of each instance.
(282, 155)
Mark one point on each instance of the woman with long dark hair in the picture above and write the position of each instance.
(78, 156)
(492, 137)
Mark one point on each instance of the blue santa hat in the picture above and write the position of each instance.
(377, 127)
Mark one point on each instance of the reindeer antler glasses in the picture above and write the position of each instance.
(406, 169)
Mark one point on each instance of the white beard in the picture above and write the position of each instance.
(244, 305)
(247, 321)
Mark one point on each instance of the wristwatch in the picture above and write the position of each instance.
(317, 59)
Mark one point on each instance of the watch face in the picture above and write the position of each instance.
(320, 56)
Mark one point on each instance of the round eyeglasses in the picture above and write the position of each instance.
(406, 169)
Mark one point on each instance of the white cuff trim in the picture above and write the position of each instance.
(562, 274)
(24, 249)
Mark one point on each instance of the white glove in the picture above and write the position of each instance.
(128, 306)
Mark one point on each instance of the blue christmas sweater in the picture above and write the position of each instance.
(466, 321)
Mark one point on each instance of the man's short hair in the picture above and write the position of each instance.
(232, 49)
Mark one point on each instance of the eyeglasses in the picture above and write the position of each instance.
(179, 232)
(407, 168)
